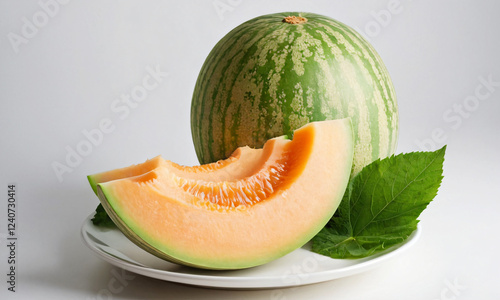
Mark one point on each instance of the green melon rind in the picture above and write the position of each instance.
(125, 225)
(254, 85)
(142, 239)
(93, 181)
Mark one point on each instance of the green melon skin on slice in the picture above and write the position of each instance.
(241, 222)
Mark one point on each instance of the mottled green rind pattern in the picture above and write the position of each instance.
(266, 78)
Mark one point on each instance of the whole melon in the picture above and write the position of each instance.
(277, 72)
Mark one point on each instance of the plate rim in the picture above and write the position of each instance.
(258, 282)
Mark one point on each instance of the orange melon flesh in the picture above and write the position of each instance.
(235, 167)
(130, 171)
(241, 223)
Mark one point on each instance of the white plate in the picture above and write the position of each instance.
(300, 267)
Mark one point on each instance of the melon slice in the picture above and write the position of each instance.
(235, 167)
(242, 222)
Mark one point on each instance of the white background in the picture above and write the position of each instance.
(63, 78)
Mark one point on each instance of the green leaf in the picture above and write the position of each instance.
(101, 218)
(381, 205)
